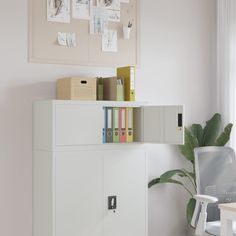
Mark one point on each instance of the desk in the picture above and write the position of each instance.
(227, 216)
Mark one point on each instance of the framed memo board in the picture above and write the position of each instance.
(43, 37)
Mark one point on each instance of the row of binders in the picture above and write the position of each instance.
(118, 127)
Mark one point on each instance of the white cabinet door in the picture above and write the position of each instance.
(153, 124)
(78, 193)
(163, 124)
(78, 124)
(125, 178)
(174, 130)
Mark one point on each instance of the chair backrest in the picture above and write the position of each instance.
(216, 176)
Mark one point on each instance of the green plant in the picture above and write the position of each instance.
(195, 136)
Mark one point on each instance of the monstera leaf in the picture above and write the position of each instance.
(190, 143)
(224, 136)
(197, 131)
(211, 130)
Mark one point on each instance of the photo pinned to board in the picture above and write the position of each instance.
(58, 11)
(80, 9)
(98, 20)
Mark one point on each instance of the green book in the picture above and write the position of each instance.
(116, 135)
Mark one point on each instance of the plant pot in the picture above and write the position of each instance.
(126, 32)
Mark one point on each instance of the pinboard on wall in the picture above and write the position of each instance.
(84, 32)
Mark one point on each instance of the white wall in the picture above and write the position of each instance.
(177, 67)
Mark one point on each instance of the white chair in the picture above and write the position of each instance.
(215, 169)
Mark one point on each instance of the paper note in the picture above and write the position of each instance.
(109, 4)
(114, 15)
(66, 39)
(71, 39)
(109, 41)
(113, 8)
(58, 11)
(80, 9)
(61, 39)
(98, 20)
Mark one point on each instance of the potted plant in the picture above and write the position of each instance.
(195, 136)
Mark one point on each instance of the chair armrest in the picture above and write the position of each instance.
(200, 212)
(205, 199)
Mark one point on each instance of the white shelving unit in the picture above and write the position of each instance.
(75, 173)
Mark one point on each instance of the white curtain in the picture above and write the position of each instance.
(226, 63)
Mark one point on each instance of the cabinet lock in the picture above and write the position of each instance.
(112, 202)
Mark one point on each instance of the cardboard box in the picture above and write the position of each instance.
(113, 89)
(77, 88)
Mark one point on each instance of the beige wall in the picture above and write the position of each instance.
(177, 67)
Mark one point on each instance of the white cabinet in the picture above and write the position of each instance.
(59, 124)
(83, 182)
(72, 188)
(83, 187)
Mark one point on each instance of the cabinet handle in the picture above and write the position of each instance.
(112, 202)
(180, 120)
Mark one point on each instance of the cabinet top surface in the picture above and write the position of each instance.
(101, 103)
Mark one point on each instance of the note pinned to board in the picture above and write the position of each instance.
(66, 39)
(114, 15)
(112, 7)
(58, 11)
(109, 41)
(98, 20)
(80, 9)
(61, 39)
(109, 4)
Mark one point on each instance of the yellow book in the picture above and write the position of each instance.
(129, 125)
(128, 73)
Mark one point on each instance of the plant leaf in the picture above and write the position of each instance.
(170, 181)
(166, 178)
(166, 181)
(171, 173)
(197, 132)
(211, 130)
(153, 182)
(163, 181)
(190, 143)
(224, 136)
(191, 175)
(190, 209)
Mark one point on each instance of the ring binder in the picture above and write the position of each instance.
(122, 125)
(109, 133)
